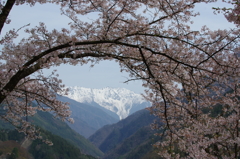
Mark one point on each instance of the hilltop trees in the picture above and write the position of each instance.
(184, 71)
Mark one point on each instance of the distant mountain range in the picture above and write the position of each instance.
(98, 119)
(87, 118)
(114, 101)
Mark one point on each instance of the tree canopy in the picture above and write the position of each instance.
(184, 71)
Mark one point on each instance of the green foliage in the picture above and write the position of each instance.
(13, 149)
(46, 121)
(6, 134)
(214, 111)
(3, 135)
(14, 154)
(60, 150)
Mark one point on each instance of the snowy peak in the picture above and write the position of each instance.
(118, 100)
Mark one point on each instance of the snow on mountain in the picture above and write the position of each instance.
(118, 100)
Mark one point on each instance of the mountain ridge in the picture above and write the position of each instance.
(118, 100)
(129, 138)
(88, 118)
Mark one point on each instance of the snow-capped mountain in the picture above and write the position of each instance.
(121, 101)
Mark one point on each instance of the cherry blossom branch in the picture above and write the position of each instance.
(5, 12)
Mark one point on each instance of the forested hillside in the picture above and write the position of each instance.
(47, 122)
(129, 138)
(57, 127)
(14, 145)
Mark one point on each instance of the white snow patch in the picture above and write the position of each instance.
(117, 100)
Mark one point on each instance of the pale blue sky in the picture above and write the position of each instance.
(107, 73)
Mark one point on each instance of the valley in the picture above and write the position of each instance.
(97, 131)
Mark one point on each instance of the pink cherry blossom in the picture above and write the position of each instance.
(187, 73)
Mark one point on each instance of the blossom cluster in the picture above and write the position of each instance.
(187, 73)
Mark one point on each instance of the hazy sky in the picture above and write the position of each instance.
(106, 73)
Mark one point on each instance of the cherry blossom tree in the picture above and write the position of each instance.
(231, 13)
(187, 73)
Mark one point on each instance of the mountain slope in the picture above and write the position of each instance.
(12, 145)
(117, 139)
(46, 121)
(60, 149)
(88, 118)
(121, 101)
(137, 146)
